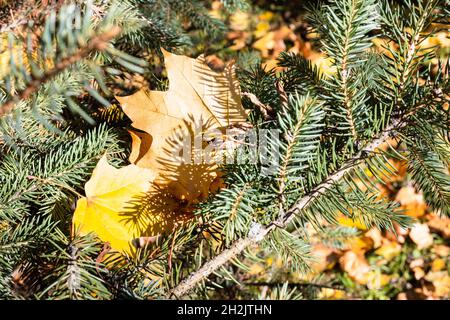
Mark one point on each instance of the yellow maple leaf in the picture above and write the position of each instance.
(198, 100)
(115, 208)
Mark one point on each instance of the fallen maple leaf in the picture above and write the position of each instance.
(198, 100)
(109, 212)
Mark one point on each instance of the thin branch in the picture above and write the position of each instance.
(211, 266)
(97, 43)
(255, 236)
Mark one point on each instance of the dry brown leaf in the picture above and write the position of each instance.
(411, 201)
(402, 296)
(198, 100)
(265, 44)
(440, 224)
(441, 250)
(441, 283)
(401, 233)
(239, 39)
(215, 63)
(416, 263)
(375, 235)
(418, 273)
(359, 244)
(355, 265)
(324, 258)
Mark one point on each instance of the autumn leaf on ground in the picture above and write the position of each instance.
(439, 224)
(108, 210)
(389, 249)
(420, 235)
(331, 294)
(411, 201)
(376, 280)
(441, 283)
(356, 266)
(376, 236)
(199, 100)
(324, 258)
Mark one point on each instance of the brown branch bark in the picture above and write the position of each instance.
(254, 237)
(97, 43)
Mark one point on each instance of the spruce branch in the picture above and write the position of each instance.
(97, 43)
(257, 233)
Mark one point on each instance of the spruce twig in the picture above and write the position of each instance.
(240, 245)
